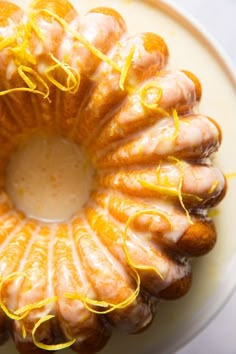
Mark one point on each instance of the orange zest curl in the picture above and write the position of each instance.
(151, 91)
(37, 305)
(43, 346)
(81, 39)
(167, 190)
(23, 71)
(9, 313)
(19, 45)
(91, 304)
(180, 164)
(25, 310)
(7, 42)
(170, 190)
(130, 262)
(72, 80)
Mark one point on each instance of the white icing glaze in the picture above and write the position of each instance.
(177, 87)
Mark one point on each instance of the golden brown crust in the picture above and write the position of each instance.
(152, 41)
(198, 239)
(212, 120)
(3, 329)
(177, 289)
(9, 10)
(62, 8)
(95, 340)
(111, 12)
(197, 83)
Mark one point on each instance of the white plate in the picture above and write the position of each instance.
(213, 279)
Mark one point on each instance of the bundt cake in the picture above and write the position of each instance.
(106, 177)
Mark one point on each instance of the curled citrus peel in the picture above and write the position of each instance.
(152, 88)
(72, 76)
(25, 310)
(7, 42)
(23, 71)
(43, 346)
(19, 45)
(180, 164)
(81, 39)
(134, 266)
(169, 190)
(34, 27)
(91, 304)
(11, 314)
(37, 305)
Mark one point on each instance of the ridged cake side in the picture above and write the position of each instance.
(84, 78)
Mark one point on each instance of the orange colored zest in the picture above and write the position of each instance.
(176, 123)
(165, 187)
(81, 39)
(7, 42)
(25, 310)
(92, 305)
(134, 266)
(126, 68)
(72, 76)
(180, 164)
(213, 187)
(152, 88)
(32, 84)
(230, 175)
(169, 190)
(8, 278)
(52, 347)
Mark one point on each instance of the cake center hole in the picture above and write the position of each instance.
(49, 178)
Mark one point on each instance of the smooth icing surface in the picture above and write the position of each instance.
(49, 178)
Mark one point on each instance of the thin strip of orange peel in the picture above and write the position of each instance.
(25, 310)
(43, 346)
(170, 190)
(130, 262)
(91, 304)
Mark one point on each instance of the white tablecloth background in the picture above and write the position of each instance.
(218, 17)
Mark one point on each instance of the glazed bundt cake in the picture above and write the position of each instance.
(106, 177)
